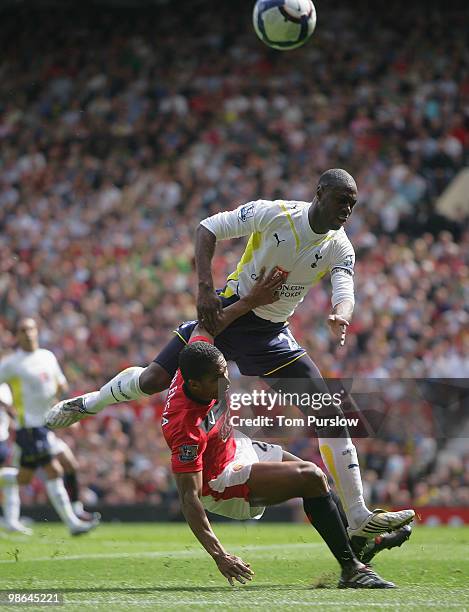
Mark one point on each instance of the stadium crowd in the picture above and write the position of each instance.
(122, 133)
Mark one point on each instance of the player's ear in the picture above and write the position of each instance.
(319, 192)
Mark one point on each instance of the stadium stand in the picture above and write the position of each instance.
(119, 133)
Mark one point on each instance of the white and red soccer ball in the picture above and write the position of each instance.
(284, 24)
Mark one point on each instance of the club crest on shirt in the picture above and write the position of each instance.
(317, 257)
(246, 212)
(188, 452)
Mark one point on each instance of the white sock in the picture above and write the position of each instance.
(8, 476)
(340, 457)
(11, 495)
(122, 388)
(60, 500)
(77, 507)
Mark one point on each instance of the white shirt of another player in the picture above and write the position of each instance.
(280, 235)
(6, 399)
(33, 378)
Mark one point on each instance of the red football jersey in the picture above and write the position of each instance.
(199, 435)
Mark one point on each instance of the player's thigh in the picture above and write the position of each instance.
(301, 376)
(67, 460)
(155, 378)
(262, 350)
(25, 475)
(60, 449)
(275, 482)
(53, 469)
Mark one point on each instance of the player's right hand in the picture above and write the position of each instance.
(266, 288)
(209, 309)
(233, 567)
(338, 325)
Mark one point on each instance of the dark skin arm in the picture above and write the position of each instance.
(340, 319)
(209, 306)
(190, 490)
(264, 291)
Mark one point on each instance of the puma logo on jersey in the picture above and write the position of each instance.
(315, 263)
(279, 240)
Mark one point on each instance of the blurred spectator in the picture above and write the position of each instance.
(123, 132)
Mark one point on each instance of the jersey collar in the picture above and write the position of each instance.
(310, 237)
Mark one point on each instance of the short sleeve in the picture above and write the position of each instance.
(59, 375)
(243, 221)
(187, 441)
(187, 449)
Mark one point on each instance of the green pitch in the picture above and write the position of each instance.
(160, 566)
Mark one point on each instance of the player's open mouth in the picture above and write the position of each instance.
(342, 219)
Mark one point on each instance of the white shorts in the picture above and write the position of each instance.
(232, 481)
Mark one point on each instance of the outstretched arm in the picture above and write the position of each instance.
(190, 490)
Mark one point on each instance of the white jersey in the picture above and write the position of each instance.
(33, 378)
(280, 235)
(5, 398)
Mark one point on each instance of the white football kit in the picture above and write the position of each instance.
(5, 398)
(280, 235)
(33, 378)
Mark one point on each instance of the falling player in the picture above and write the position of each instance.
(224, 471)
(35, 379)
(307, 241)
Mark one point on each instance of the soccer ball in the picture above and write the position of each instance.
(284, 24)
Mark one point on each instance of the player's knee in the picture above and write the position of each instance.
(24, 478)
(154, 379)
(313, 479)
(68, 462)
(54, 470)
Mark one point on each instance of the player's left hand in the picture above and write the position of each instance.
(266, 288)
(338, 326)
(234, 568)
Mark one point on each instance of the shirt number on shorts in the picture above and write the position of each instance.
(292, 343)
(262, 445)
